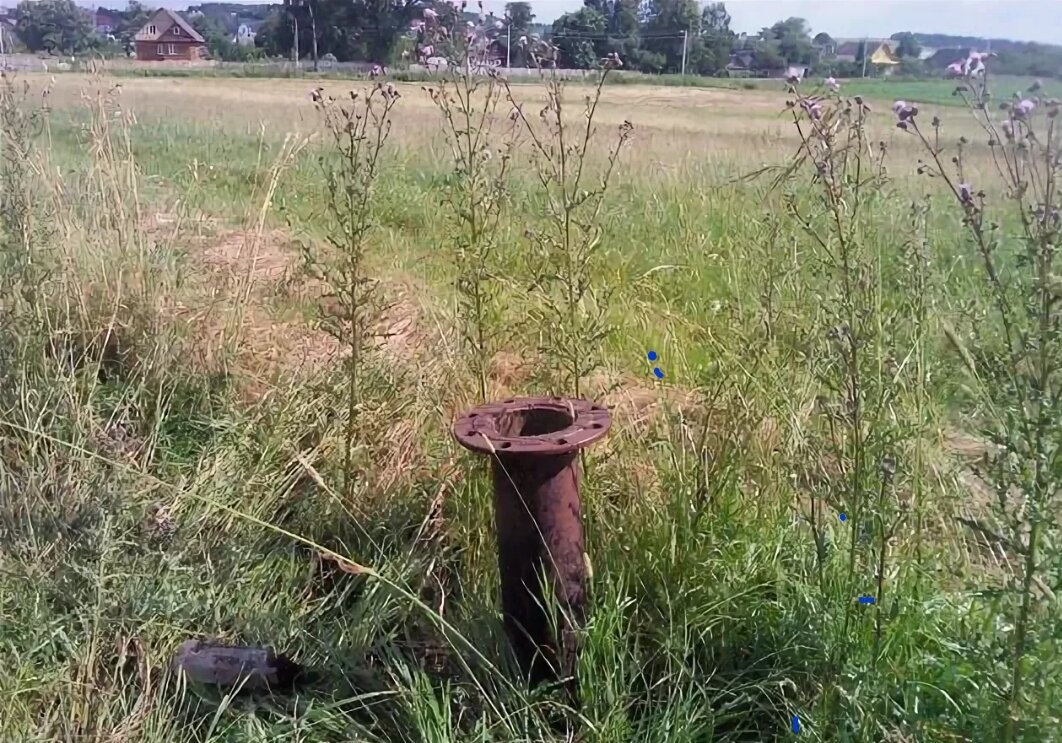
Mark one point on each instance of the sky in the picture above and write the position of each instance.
(1019, 20)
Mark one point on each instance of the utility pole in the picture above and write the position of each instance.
(508, 39)
(313, 27)
(685, 38)
(296, 19)
(866, 49)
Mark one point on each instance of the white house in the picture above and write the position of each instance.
(244, 35)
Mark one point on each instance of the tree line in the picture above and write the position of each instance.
(654, 36)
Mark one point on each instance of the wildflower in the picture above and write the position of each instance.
(430, 14)
(1008, 129)
(832, 84)
(1023, 108)
(904, 112)
(956, 69)
(965, 193)
(1045, 214)
(813, 107)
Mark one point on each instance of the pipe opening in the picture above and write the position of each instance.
(533, 422)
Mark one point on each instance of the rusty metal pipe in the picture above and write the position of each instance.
(534, 443)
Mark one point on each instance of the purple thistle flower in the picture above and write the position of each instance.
(965, 193)
(1024, 107)
(812, 106)
(832, 84)
(1008, 129)
(904, 112)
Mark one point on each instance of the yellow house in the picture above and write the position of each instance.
(883, 55)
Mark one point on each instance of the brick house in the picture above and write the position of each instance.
(167, 36)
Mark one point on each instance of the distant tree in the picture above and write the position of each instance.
(219, 40)
(711, 54)
(715, 19)
(304, 12)
(795, 27)
(569, 36)
(520, 17)
(209, 29)
(625, 20)
(767, 56)
(55, 26)
(133, 18)
(623, 34)
(908, 46)
(823, 39)
(274, 36)
(792, 40)
(665, 22)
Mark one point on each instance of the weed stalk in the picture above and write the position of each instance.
(566, 251)
(359, 129)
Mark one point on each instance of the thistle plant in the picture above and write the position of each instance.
(21, 123)
(24, 267)
(566, 251)
(1014, 225)
(476, 192)
(359, 129)
(856, 360)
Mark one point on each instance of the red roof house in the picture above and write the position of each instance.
(167, 36)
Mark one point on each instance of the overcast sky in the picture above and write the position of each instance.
(1021, 20)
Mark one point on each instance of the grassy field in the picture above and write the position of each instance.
(933, 91)
(181, 481)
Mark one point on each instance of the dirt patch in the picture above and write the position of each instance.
(245, 256)
(253, 313)
(636, 403)
(399, 333)
(235, 322)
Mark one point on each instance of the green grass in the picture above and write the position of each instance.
(712, 617)
(941, 92)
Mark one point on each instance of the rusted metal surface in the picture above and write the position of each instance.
(534, 443)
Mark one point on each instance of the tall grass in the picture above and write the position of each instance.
(162, 478)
